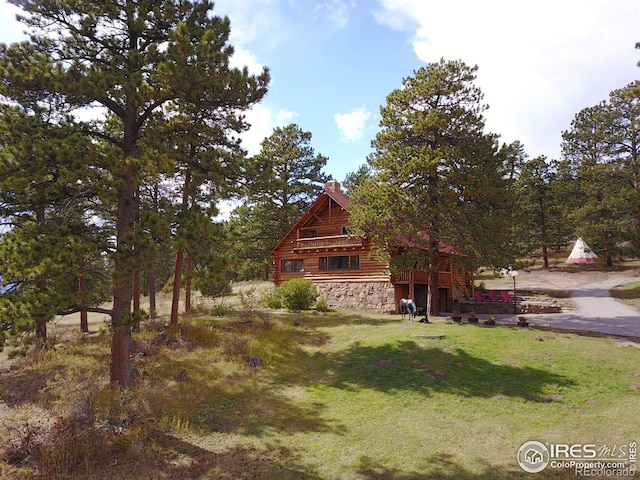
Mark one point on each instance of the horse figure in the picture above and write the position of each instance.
(407, 305)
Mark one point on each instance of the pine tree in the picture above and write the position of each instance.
(435, 171)
(602, 149)
(49, 252)
(287, 177)
(130, 58)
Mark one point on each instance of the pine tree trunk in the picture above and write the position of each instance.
(41, 323)
(607, 248)
(151, 286)
(123, 284)
(136, 272)
(136, 299)
(84, 321)
(187, 286)
(177, 279)
(545, 257)
(434, 266)
(151, 274)
(177, 275)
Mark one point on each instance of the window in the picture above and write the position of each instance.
(342, 262)
(339, 263)
(345, 231)
(290, 266)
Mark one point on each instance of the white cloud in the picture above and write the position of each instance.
(337, 11)
(12, 30)
(242, 57)
(263, 121)
(539, 62)
(284, 117)
(250, 19)
(352, 124)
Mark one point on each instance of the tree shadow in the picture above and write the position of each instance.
(242, 405)
(336, 318)
(169, 457)
(445, 468)
(408, 366)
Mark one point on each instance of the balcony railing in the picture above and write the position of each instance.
(336, 241)
(422, 276)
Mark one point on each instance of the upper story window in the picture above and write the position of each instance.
(345, 231)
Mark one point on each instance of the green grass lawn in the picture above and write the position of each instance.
(337, 396)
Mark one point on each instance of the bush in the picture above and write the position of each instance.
(271, 298)
(298, 294)
(322, 305)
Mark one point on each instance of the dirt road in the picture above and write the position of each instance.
(595, 311)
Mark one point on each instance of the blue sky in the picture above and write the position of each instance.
(333, 62)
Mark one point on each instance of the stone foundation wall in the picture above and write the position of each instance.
(507, 307)
(377, 296)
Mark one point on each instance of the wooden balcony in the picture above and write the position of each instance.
(337, 242)
(420, 276)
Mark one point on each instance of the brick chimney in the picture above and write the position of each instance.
(332, 186)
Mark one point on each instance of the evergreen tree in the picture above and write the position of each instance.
(540, 210)
(131, 58)
(353, 179)
(49, 251)
(624, 116)
(602, 149)
(435, 171)
(287, 177)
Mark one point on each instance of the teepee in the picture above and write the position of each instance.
(581, 253)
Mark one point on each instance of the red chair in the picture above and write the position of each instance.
(493, 296)
(506, 297)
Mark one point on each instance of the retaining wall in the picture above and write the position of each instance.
(367, 295)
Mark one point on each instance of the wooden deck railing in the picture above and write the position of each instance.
(422, 276)
(343, 241)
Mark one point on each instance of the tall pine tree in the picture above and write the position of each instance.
(130, 58)
(435, 171)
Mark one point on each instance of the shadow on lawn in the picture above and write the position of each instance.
(244, 404)
(169, 457)
(445, 468)
(408, 366)
(334, 318)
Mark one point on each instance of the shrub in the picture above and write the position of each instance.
(220, 310)
(271, 298)
(249, 301)
(322, 305)
(298, 294)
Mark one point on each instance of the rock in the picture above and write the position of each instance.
(254, 362)
(183, 376)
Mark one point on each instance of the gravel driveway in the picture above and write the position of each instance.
(595, 311)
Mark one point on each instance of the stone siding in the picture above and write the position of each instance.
(377, 296)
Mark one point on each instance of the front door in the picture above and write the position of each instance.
(444, 300)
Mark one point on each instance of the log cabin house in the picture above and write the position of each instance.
(320, 248)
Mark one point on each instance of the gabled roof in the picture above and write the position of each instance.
(339, 197)
(443, 246)
(329, 194)
(332, 192)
